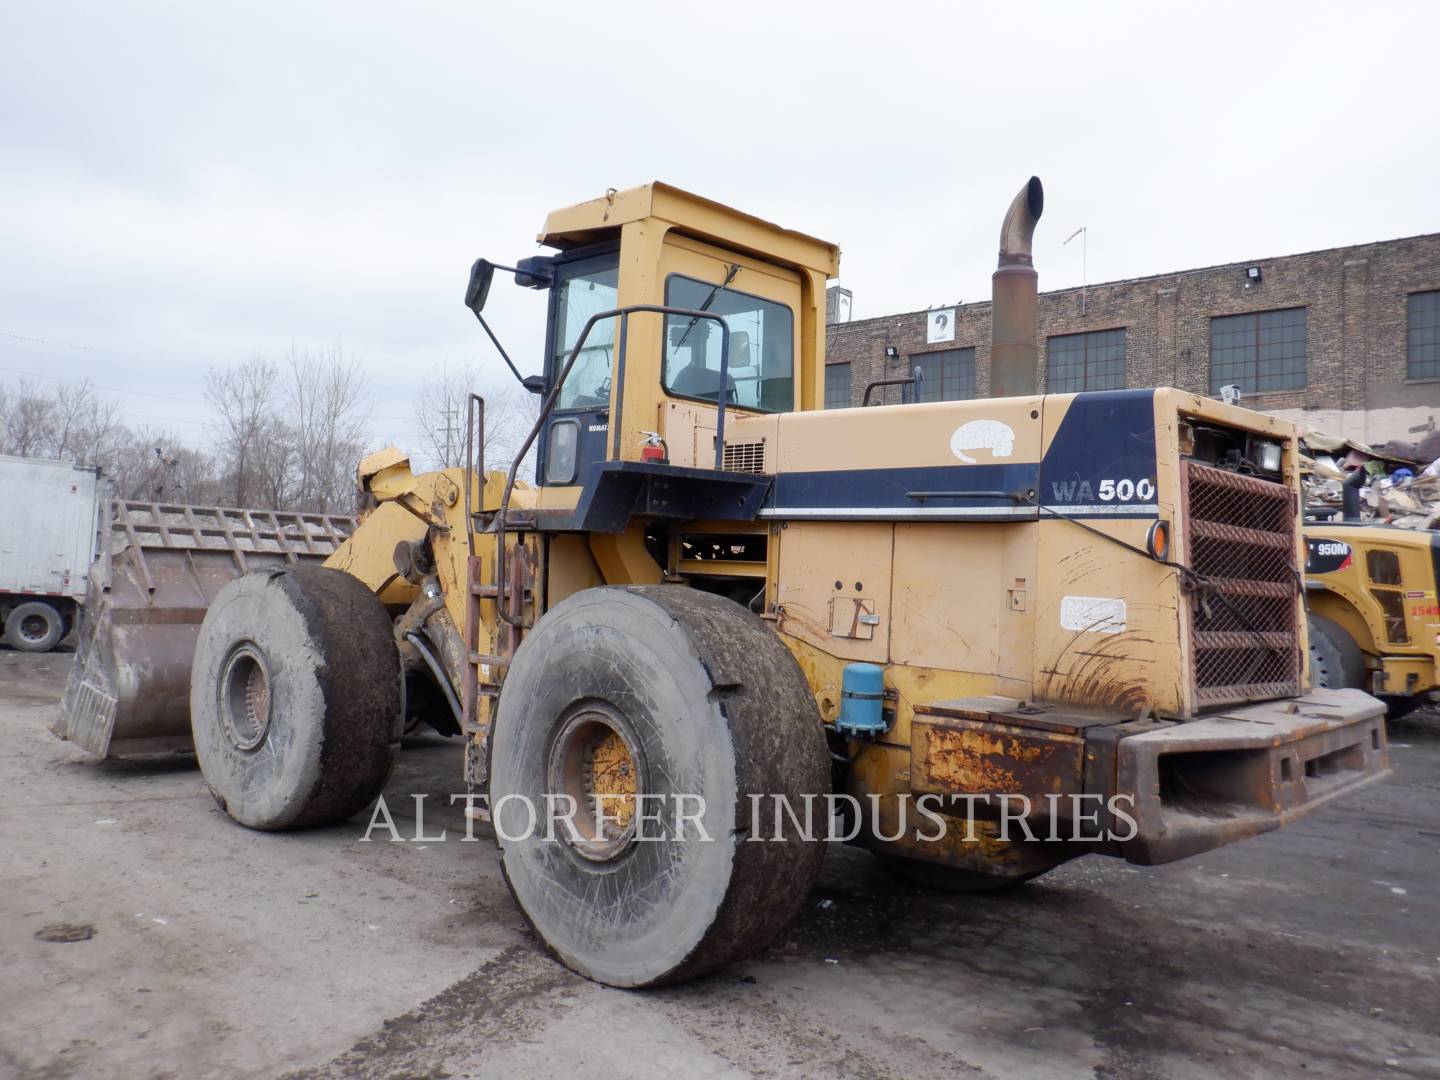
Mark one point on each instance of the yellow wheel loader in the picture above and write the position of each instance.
(1373, 594)
(979, 637)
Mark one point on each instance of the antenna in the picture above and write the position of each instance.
(1084, 231)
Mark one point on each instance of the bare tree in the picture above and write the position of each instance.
(29, 421)
(328, 417)
(68, 424)
(246, 400)
(439, 413)
(84, 428)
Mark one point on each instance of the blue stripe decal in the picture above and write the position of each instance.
(1101, 463)
(889, 489)
(1102, 459)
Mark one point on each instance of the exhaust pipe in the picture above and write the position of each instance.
(1014, 359)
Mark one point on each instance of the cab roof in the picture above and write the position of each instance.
(597, 220)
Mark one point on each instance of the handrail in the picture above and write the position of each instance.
(549, 406)
(471, 438)
(909, 380)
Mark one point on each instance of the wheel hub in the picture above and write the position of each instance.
(34, 627)
(245, 699)
(594, 762)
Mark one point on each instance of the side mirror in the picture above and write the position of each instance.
(534, 383)
(478, 291)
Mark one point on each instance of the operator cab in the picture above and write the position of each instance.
(655, 380)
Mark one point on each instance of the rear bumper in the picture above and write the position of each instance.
(1160, 790)
(1205, 783)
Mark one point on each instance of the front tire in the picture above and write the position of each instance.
(634, 696)
(1336, 661)
(295, 698)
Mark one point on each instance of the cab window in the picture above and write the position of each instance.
(761, 373)
(578, 297)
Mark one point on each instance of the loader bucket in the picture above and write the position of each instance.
(158, 569)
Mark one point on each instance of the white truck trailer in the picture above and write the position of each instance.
(50, 517)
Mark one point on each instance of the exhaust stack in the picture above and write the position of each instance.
(1014, 360)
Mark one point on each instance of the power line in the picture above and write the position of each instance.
(59, 344)
(98, 386)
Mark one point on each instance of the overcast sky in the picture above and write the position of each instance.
(184, 185)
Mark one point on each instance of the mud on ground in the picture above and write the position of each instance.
(144, 935)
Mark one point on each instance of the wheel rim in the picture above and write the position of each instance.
(34, 628)
(593, 760)
(245, 698)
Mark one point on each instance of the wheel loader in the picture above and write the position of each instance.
(725, 623)
(1374, 610)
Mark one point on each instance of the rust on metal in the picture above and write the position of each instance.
(998, 746)
(1198, 785)
(1244, 617)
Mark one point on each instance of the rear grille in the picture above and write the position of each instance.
(1240, 535)
(745, 457)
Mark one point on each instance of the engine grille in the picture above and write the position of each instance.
(1240, 536)
(746, 457)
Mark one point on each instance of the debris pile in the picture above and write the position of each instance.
(1397, 483)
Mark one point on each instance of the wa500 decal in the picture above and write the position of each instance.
(1123, 490)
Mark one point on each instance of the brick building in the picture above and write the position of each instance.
(1346, 340)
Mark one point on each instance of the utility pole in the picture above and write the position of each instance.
(1084, 233)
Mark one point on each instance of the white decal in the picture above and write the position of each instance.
(1093, 614)
(940, 326)
(990, 435)
(1126, 489)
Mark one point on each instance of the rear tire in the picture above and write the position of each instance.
(295, 698)
(653, 692)
(34, 626)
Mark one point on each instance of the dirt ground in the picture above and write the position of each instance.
(200, 949)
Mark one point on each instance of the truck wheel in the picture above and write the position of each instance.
(1336, 661)
(295, 699)
(630, 697)
(34, 626)
(954, 879)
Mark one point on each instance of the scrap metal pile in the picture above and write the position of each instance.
(1397, 482)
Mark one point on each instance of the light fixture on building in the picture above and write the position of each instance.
(892, 353)
(1253, 276)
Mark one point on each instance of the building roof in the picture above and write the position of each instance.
(1172, 274)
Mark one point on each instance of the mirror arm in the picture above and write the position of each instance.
(501, 350)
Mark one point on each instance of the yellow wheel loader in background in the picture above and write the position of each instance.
(1373, 594)
(719, 604)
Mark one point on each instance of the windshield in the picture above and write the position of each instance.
(762, 347)
(579, 297)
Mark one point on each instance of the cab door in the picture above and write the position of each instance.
(574, 440)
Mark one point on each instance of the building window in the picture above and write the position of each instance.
(948, 375)
(1260, 352)
(1423, 347)
(1093, 361)
(837, 386)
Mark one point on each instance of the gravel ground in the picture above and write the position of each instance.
(144, 935)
